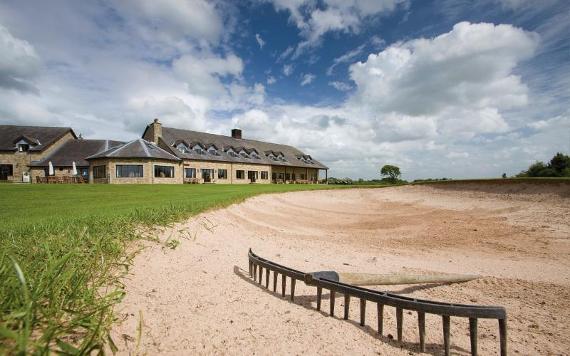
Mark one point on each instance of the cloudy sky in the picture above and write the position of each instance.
(449, 88)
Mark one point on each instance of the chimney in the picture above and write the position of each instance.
(236, 133)
(155, 131)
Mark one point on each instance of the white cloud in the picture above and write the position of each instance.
(271, 80)
(307, 79)
(333, 16)
(197, 19)
(347, 57)
(19, 62)
(340, 86)
(259, 40)
(288, 69)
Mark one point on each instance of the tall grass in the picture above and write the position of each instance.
(63, 251)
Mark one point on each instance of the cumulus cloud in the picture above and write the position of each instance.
(307, 79)
(19, 62)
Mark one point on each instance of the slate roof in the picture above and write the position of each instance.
(138, 148)
(38, 137)
(293, 157)
(76, 151)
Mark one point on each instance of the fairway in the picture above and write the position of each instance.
(63, 251)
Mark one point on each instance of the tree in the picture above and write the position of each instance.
(559, 162)
(392, 172)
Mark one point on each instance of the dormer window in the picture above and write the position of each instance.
(244, 154)
(231, 152)
(213, 151)
(182, 148)
(23, 147)
(254, 155)
(198, 149)
(281, 157)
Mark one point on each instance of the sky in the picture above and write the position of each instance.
(459, 89)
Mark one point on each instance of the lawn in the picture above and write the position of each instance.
(63, 251)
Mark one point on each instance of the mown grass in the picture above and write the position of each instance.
(63, 251)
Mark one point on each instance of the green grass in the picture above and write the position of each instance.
(63, 251)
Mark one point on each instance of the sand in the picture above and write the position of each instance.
(198, 299)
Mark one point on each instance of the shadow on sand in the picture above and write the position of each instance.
(306, 301)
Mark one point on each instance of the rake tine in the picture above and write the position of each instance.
(332, 302)
(267, 280)
(283, 285)
(362, 311)
(260, 274)
(446, 334)
(399, 322)
(275, 274)
(503, 336)
(380, 309)
(422, 328)
(293, 280)
(473, 335)
(346, 305)
(319, 295)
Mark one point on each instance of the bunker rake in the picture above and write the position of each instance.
(260, 268)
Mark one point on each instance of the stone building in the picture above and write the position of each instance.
(209, 158)
(162, 155)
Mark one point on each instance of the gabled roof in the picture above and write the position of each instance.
(76, 151)
(139, 148)
(171, 135)
(39, 137)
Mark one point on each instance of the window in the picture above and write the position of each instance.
(129, 170)
(190, 172)
(84, 172)
(182, 148)
(23, 147)
(163, 172)
(288, 176)
(100, 172)
(222, 174)
(302, 176)
(264, 175)
(274, 176)
(198, 149)
(244, 154)
(293, 176)
(231, 153)
(240, 174)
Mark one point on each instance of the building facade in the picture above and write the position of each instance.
(162, 156)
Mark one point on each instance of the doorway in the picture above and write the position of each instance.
(252, 176)
(207, 175)
(6, 170)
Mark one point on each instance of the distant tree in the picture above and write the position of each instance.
(559, 166)
(391, 172)
(559, 162)
(504, 175)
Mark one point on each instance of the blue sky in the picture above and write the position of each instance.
(440, 88)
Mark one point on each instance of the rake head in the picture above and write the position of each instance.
(330, 280)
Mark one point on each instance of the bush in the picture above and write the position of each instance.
(559, 166)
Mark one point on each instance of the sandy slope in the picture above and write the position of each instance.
(197, 298)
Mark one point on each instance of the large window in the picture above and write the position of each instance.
(190, 172)
(129, 170)
(163, 172)
(222, 174)
(264, 175)
(100, 172)
(240, 174)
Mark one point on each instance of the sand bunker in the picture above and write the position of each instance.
(197, 299)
